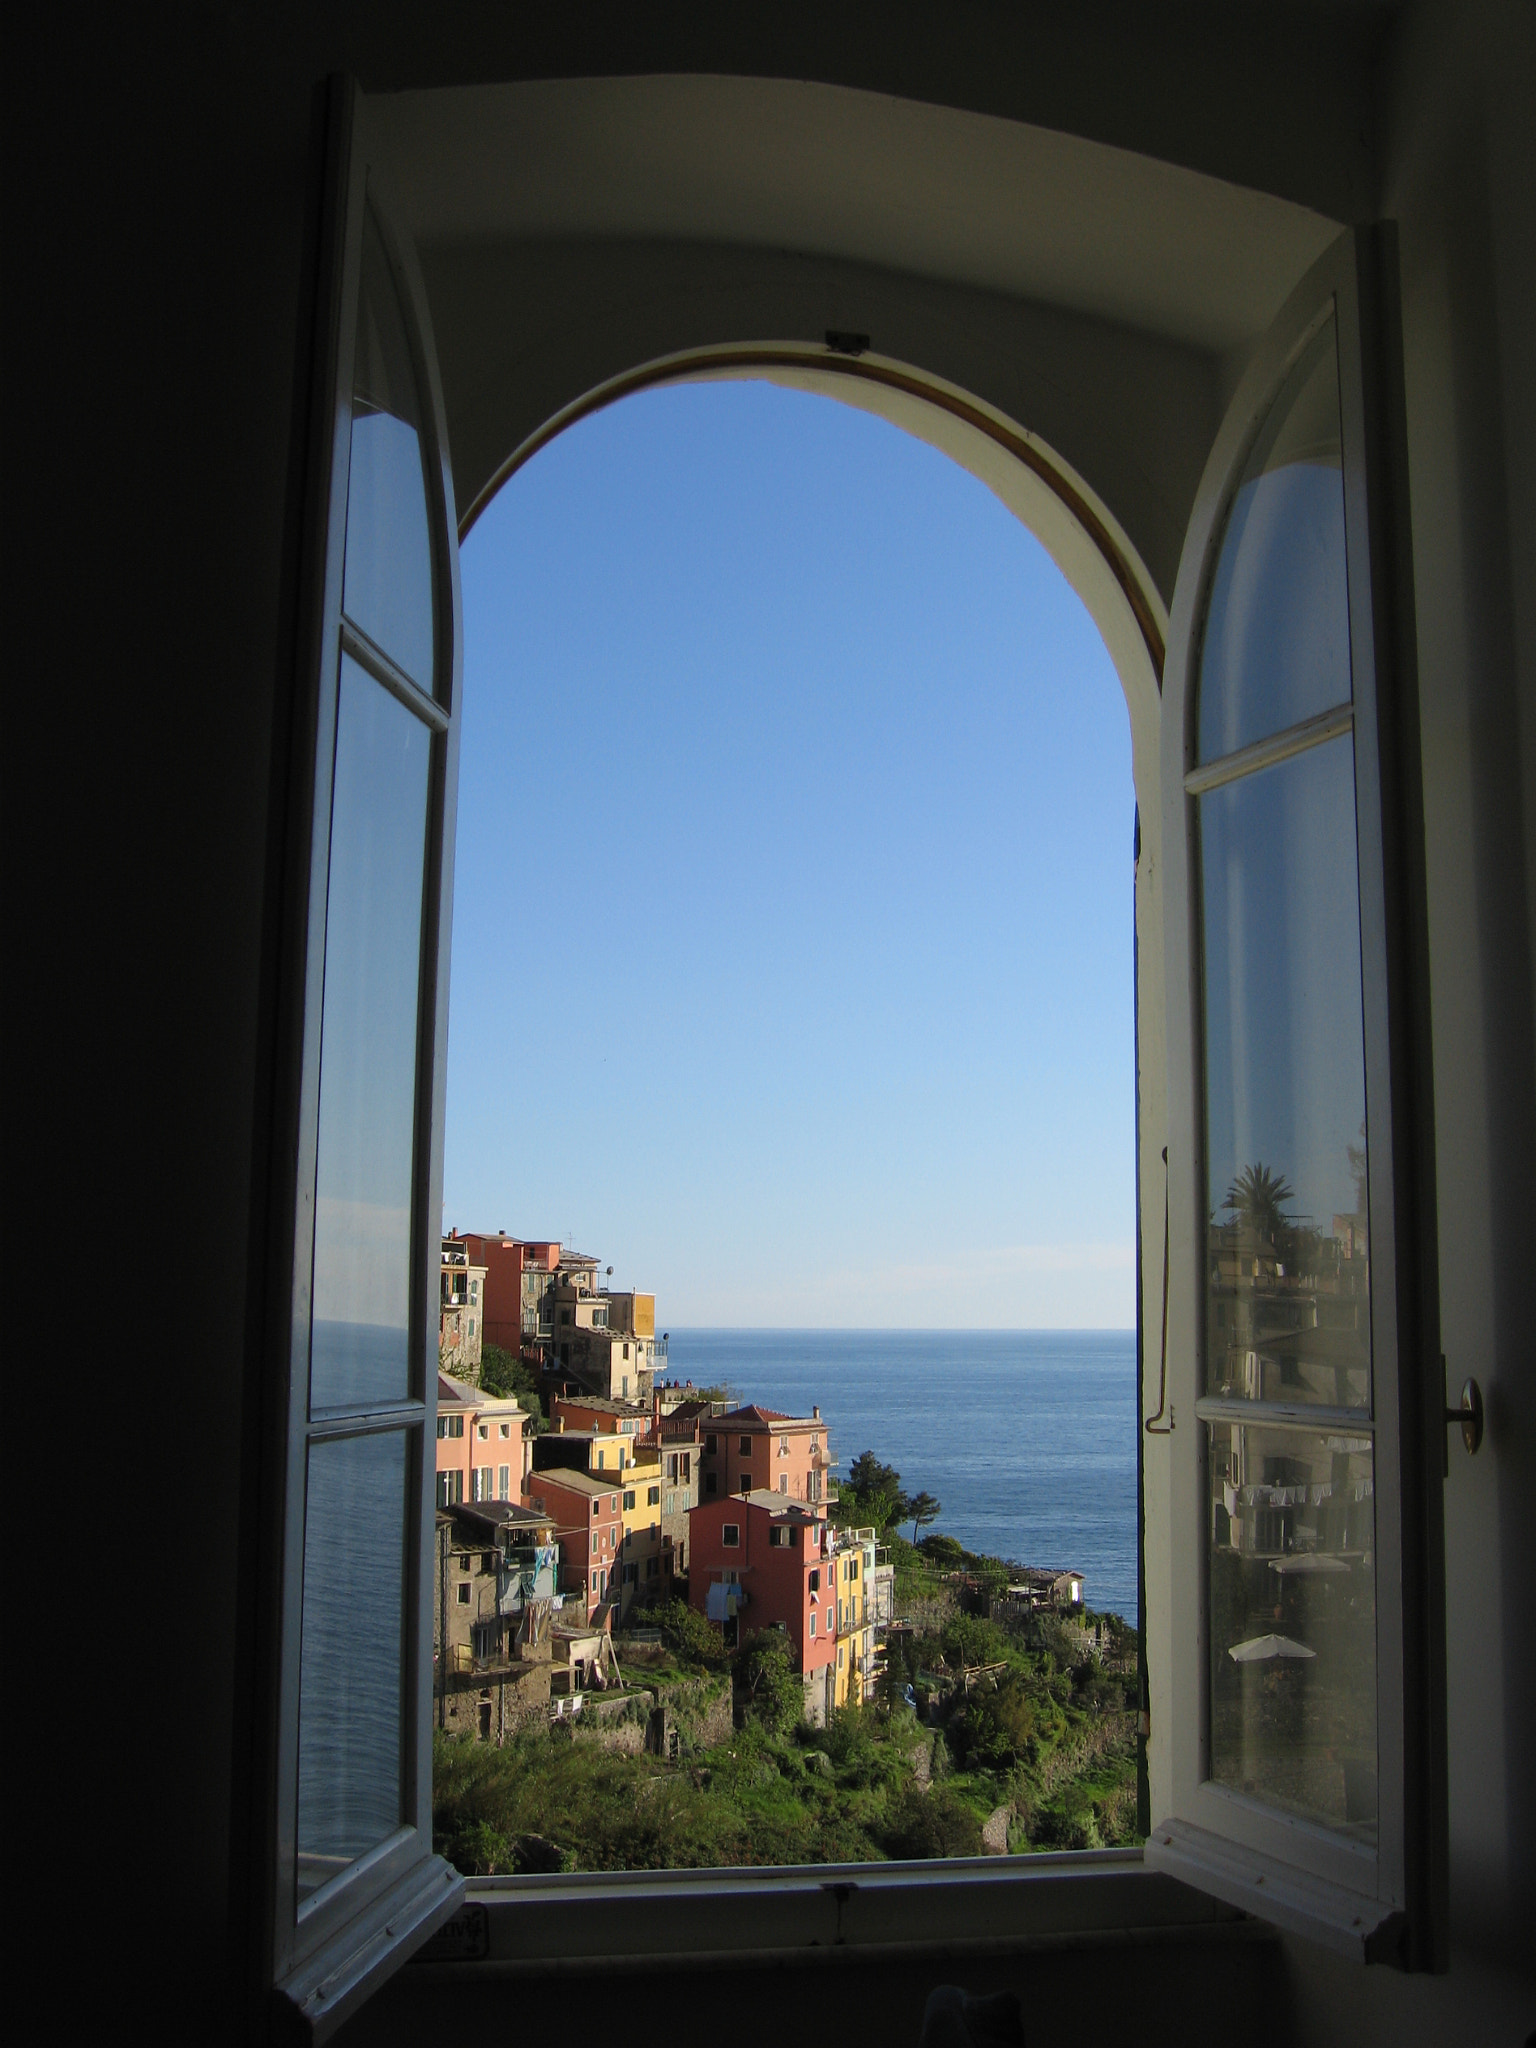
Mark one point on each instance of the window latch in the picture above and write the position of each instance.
(1469, 1417)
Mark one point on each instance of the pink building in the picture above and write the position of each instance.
(759, 1561)
(483, 1447)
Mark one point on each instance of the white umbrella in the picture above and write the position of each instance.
(1258, 1649)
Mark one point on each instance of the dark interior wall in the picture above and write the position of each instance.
(1126, 1987)
(159, 179)
(1458, 175)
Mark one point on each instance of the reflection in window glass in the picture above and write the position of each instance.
(1287, 1265)
(350, 1660)
(1276, 642)
(387, 579)
(1293, 1621)
(368, 1052)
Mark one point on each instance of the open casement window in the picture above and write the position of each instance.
(353, 1884)
(1306, 1661)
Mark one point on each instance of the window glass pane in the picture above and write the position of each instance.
(351, 1787)
(387, 577)
(1293, 1622)
(1287, 1268)
(1276, 642)
(362, 1271)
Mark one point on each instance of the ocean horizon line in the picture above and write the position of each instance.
(905, 1329)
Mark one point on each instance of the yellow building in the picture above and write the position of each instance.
(854, 1565)
(640, 1574)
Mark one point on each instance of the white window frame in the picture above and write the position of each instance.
(319, 1959)
(1108, 1889)
(1391, 1904)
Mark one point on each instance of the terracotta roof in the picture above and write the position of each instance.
(772, 1416)
(576, 1482)
(496, 1514)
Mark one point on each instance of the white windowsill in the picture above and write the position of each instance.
(672, 1919)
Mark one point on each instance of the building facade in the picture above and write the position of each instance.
(484, 1449)
(751, 1447)
(587, 1513)
(461, 1323)
(763, 1561)
(497, 1571)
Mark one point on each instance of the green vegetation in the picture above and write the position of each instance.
(871, 1495)
(1031, 1716)
(504, 1374)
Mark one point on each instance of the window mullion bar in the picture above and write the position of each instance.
(366, 1421)
(1280, 746)
(372, 657)
(1285, 1415)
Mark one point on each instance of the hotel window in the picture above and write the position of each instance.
(482, 1430)
(652, 1496)
(350, 1881)
(744, 1446)
(450, 1425)
(505, 1431)
(463, 1594)
(746, 1482)
(629, 1497)
(815, 1581)
(813, 1621)
(1304, 1406)
(503, 1482)
(730, 1535)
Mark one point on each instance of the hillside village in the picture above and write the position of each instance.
(659, 1617)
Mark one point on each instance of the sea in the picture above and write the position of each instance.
(1026, 1437)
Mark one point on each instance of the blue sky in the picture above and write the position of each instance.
(792, 922)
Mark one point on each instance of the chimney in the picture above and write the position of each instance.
(815, 1415)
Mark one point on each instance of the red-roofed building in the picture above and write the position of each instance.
(760, 1561)
(758, 1447)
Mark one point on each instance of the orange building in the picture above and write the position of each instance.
(517, 1274)
(752, 1447)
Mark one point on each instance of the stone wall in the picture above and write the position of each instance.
(515, 1694)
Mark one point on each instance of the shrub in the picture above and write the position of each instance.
(689, 1636)
(935, 1823)
(1000, 1723)
(504, 1374)
(764, 1672)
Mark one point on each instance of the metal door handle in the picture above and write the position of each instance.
(1469, 1416)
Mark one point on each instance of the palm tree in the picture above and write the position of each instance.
(1258, 1196)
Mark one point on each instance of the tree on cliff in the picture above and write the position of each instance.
(923, 1508)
